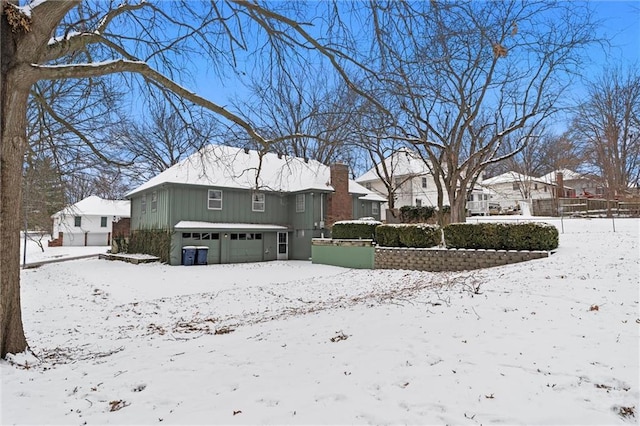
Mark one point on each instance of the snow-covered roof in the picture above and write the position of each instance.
(230, 167)
(96, 206)
(188, 224)
(356, 188)
(566, 175)
(402, 162)
(509, 177)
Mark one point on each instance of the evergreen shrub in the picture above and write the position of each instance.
(354, 230)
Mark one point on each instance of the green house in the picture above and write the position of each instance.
(246, 206)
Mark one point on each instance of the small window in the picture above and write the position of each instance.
(154, 201)
(368, 185)
(398, 182)
(215, 236)
(77, 221)
(103, 222)
(205, 236)
(234, 236)
(215, 199)
(242, 236)
(186, 235)
(374, 208)
(195, 235)
(143, 204)
(418, 202)
(515, 186)
(258, 236)
(300, 203)
(424, 182)
(257, 204)
(544, 188)
(249, 236)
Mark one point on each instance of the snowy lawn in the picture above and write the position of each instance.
(551, 341)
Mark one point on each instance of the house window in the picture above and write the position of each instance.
(299, 233)
(374, 208)
(398, 182)
(257, 204)
(418, 202)
(77, 221)
(154, 201)
(103, 222)
(215, 199)
(515, 186)
(544, 188)
(424, 182)
(143, 204)
(535, 186)
(368, 185)
(299, 203)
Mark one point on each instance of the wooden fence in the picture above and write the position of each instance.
(586, 207)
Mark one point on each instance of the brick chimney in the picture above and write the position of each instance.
(339, 203)
(560, 182)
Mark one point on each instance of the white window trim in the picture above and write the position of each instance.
(258, 199)
(298, 208)
(210, 199)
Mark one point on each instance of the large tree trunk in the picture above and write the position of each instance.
(14, 92)
(14, 107)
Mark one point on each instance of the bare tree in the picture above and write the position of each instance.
(607, 127)
(158, 140)
(316, 108)
(89, 42)
(467, 74)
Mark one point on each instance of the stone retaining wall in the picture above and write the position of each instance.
(436, 260)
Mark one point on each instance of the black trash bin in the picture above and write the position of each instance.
(189, 255)
(201, 255)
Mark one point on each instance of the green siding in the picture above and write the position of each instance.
(189, 203)
(361, 257)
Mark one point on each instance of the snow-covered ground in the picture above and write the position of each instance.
(550, 341)
(35, 254)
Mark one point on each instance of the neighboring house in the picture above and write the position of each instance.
(575, 184)
(412, 181)
(510, 189)
(88, 222)
(218, 199)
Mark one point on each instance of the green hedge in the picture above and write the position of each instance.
(155, 242)
(354, 230)
(502, 236)
(388, 236)
(419, 235)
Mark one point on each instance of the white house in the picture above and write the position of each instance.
(512, 189)
(578, 184)
(88, 222)
(413, 183)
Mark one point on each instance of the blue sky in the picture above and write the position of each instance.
(620, 23)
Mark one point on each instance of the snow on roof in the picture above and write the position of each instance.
(402, 162)
(367, 195)
(230, 167)
(509, 177)
(187, 224)
(566, 175)
(96, 206)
